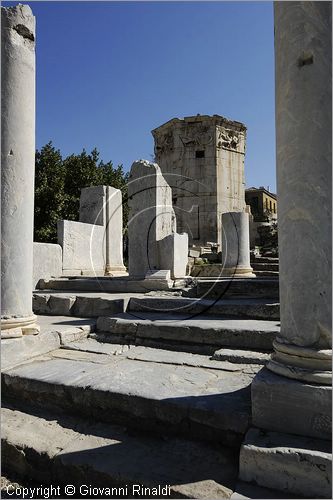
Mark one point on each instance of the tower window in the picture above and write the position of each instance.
(200, 154)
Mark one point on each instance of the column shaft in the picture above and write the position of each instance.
(303, 135)
(236, 245)
(17, 167)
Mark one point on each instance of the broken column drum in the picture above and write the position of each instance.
(236, 245)
(17, 168)
(304, 179)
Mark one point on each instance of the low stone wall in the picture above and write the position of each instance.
(47, 261)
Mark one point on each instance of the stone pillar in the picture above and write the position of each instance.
(102, 206)
(236, 245)
(151, 217)
(303, 135)
(17, 169)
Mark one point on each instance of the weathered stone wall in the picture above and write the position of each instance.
(202, 159)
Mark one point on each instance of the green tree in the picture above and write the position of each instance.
(49, 193)
(59, 183)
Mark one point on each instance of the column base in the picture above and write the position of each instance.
(302, 363)
(282, 404)
(17, 327)
(238, 272)
(116, 271)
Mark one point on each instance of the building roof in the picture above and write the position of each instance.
(261, 189)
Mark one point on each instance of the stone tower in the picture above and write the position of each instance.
(202, 159)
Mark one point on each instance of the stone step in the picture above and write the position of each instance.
(265, 259)
(261, 274)
(187, 307)
(55, 331)
(296, 464)
(78, 304)
(267, 288)
(110, 284)
(57, 449)
(95, 304)
(147, 389)
(202, 333)
(265, 266)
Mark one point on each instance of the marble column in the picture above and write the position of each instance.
(236, 245)
(17, 169)
(303, 136)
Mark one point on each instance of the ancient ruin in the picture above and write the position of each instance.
(154, 243)
(202, 159)
(156, 383)
(94, 245)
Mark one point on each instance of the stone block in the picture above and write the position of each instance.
(173, 254)
(61, 305)
(82, 246)
(93, 205)
(158, 280)
(47, 262)
(193, 252)
(289, 463)
(91, 308)
(280, 403)
(17, 350)
(40, 303)
(73, 334)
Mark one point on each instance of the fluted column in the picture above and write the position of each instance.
(17, 169)
(303, 133)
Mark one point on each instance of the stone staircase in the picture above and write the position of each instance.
(141, 396)
(265, 266)
(155, 392)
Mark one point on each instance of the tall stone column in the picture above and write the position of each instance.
(303, 136)
(17, 169)
(236, 245)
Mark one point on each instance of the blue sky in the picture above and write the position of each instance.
(110, 72)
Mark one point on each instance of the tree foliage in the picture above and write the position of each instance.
(58, 184)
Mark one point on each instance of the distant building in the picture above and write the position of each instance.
(263, 203)
(202, 159)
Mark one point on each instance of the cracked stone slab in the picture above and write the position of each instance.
(53, 447)
(91, 345)
(289, 463)
(181, 358)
